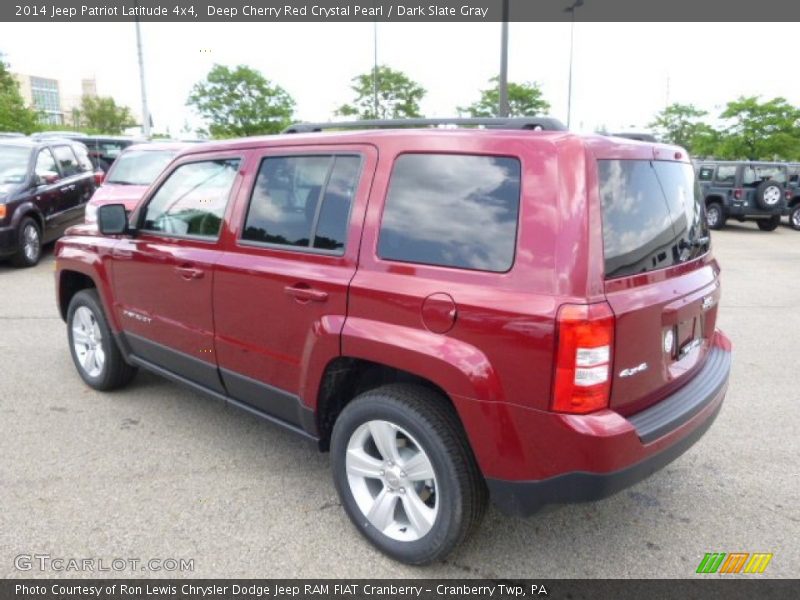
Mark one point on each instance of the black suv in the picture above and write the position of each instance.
(44, 188)
(744, 190)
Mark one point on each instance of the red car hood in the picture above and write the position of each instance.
(111, 193)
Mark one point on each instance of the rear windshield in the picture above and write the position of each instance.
(754, 175)
(139, 167)
(653, 215)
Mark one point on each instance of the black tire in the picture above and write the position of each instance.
(794, 218)
(460, 491)
(769, 195)
(22, 258)
(115, 373)
(770, 224)
(715, 216)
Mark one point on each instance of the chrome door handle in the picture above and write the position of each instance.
(189, 273)
(303, 293)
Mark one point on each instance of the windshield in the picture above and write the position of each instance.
(652, 215)
(14, 164)
(139, 167)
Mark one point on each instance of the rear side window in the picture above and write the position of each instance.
(67, 161)
(452, 210)
(192, 200)
(303, 201)
(83, 158)
(652, 215)
(726, 174)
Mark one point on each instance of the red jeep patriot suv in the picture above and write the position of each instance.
(512, 312)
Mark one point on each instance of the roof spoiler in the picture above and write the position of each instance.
(529, 123)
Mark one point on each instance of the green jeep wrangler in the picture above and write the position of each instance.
(744, 190)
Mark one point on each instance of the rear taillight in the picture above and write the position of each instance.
(585, 340)
(99, 177)
(737, 193)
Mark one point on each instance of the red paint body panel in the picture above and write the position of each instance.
(491, 350)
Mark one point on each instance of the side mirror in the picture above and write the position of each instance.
(112, 219)
(47, 179)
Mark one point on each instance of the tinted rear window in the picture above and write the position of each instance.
(652, 215)
(452, 210)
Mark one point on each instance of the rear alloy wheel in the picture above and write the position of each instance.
(715, 217)
(405, 472)
(29, 244)
(94, 350)
(794, 218)
(770, 224)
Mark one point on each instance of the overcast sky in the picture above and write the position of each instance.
(623, 73)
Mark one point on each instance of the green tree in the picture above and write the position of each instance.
(682, 124)
(101, 114)
(524, 100)
(758, 130)
(398, 96)
(241, 102)
(14, 115)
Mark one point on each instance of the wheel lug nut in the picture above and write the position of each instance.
(402, 490)
(383, 473)
(402, 473)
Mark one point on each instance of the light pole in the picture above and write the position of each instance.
(145, 111)
(571, 10)
(502, 109)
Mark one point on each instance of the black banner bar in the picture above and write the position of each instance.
(704, 587)
(224, 11)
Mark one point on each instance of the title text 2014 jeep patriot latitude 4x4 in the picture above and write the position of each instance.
(456, 314)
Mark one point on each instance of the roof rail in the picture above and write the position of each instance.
(532, 123)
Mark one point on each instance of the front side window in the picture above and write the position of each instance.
(67, 161)
(452, 210)
(705, 173)
(303, 201)
(192, 201)
(46, 164)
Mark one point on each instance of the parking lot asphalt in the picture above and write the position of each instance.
(156, 471)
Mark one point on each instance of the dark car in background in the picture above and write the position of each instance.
(131, 174)
(793, 196)
(744, 190)
(44, 187)
(103, 149)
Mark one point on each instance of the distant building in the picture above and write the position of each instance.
(57, 101)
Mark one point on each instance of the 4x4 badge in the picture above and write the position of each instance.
(633, 370)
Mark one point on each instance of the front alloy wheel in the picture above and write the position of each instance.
(92, 345)
(87, 342)
(392, 480)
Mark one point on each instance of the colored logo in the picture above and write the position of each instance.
(735, 562)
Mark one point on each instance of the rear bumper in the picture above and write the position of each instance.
(630, 448)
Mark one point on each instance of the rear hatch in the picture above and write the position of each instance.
(660, 278)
